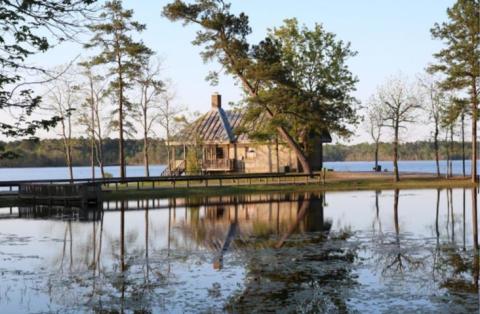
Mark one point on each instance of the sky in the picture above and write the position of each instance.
(390, 36)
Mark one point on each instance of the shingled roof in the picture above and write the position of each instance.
(218, 127)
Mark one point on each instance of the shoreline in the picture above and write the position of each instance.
(342, 182)
(334, 182)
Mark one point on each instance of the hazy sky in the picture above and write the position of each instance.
(389, 35)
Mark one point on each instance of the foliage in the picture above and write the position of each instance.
(193, 161)
(30, 27)
(314, 61)
(459, 60)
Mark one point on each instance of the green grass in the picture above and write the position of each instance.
(331, 185)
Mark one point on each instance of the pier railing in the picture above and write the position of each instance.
(179, 181)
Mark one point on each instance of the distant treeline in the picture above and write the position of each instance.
(419, 150)
(50, 153)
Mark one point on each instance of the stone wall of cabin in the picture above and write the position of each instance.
(263, 158)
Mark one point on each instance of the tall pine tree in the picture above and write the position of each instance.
(459, 60)
(123, 55)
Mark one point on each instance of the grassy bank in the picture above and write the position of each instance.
(332, 184)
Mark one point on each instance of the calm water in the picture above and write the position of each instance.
(335, 252)
(155, 170)
(427, 166)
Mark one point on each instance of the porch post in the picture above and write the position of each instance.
(185, 156)
(235, 166)
(173, 158)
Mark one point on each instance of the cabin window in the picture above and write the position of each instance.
(250, 153)
(219, 153)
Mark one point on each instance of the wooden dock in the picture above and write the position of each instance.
(87, 192)
(82, 194)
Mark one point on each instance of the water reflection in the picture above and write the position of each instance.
(69, 213)
(339, 252)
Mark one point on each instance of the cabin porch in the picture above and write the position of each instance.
(211, 158)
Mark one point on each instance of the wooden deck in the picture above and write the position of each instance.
(58, 193)
(64, 189)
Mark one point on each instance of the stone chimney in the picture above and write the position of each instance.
(216, 100)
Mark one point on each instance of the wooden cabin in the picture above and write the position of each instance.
(223, 150)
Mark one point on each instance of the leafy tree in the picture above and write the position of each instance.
(273, 77)
(314, 62)
(30, 27)
(124, 55)
(459, 60)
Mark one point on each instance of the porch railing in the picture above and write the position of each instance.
(218, 164)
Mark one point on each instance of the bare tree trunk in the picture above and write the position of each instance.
(474, 130)
(145, 155)
(92, 157)
(67, 146)
(121, 143)
(69, 161)
(145, 142)
(395, 153)
(99, 148)
(435, 145)
(92, 131)
(169, 155)
(376, 155)
(450, 165)
(463, 143)
(167, 142)
(447, 149)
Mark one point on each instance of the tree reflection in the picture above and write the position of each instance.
(457, 268)
(396, 259)
(282, 273)
(377, 220)
(288, 255)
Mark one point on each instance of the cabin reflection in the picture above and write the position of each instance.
(253, 221)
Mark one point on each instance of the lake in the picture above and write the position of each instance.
(367, 251)
(39, 173)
